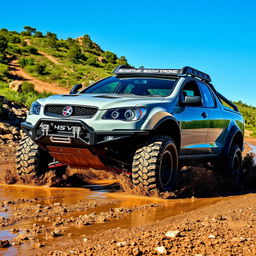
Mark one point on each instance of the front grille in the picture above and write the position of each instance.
(56, 110)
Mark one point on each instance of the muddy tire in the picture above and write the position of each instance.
(233, 164)
(31, 161)
(155, 164)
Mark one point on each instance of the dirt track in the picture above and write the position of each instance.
(98, 219)
(40, 86)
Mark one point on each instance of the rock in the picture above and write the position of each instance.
(212, 236)
(161, 250)
(85, 239)
(56, 204)
(16, 86)
(4, 244)
(121, 244)
(22, 237)
(15, 230)
(175, 233)
(56, 232)
(38, 245)
(4, 128)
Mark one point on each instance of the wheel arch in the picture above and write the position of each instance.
(235, 137)
(170, 127)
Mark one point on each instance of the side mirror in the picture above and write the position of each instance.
(192, 101)
(75, 89)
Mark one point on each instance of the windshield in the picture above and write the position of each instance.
(136, 86)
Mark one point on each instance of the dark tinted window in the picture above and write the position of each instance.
(190, 89)
(208, 99)
(137, 86)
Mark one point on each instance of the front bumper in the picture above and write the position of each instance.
(75, 133)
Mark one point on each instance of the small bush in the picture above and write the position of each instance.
(26, 62)
(40, 68)
(56, 75)
(23, 43)
(92, 61)
(3, 71)
(31, 50)
(27, 87)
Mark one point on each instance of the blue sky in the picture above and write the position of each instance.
(218, 37)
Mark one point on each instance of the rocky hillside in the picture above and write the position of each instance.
(48, 63)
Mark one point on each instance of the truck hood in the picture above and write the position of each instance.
(102, 101)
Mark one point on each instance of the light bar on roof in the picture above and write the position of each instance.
(147, 71)
(125, 70)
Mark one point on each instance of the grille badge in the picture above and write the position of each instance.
(67, 111)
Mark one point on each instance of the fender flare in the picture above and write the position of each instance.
(233, 133)
(175, 133)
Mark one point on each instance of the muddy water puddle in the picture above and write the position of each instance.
(132, 211)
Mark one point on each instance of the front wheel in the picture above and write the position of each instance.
(155, 164)
(31, 160)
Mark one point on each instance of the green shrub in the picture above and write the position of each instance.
(74, 54)
(56, 75)
(27, 87)
(26, 62)
(3, 43)
(14, 39)
(110, 56)
(24, 98)
(92, 61)
(40, 68)
(25, 33)
(31, 49)
(38, 34)
(23, 43)
(3, 71)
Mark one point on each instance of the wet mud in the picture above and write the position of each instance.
(98, 213)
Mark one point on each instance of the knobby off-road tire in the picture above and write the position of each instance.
(31, 161)
(155, 164)
(233, 164)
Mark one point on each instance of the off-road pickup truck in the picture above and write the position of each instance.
(142, 121)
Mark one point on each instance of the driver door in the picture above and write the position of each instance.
(194, 122)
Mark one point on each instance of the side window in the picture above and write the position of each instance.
(208, 99)
(190, 89)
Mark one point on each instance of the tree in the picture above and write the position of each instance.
(52, 43)
(74, 53)
(122, 61)
(3, 43)
(25, 33)
(30, 30)
(110, 56)
(38, 34)
(87, 42)
(71, 42)
(51, 35)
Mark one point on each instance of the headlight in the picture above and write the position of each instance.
(125, 114)
(35, 108)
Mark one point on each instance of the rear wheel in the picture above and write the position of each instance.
(155, 164)
(31, 160)
(233, 164)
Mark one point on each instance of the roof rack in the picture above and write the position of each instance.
(125, 70)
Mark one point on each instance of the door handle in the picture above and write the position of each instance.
(204, 115)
